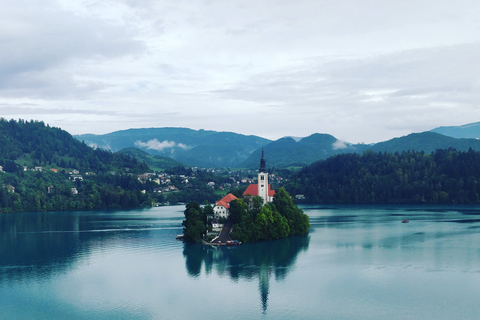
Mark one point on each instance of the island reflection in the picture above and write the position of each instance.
(252, 260)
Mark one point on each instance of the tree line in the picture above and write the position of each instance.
(49, 191)
(446, 176)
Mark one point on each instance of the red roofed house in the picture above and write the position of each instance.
(221, 207)
(262, 188)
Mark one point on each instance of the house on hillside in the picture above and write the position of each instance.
(262, 187)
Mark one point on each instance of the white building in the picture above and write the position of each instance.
(262, 188)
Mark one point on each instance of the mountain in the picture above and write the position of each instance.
(34, 144)
(289, 152)
(213, 149)
(425, 141)
(471, 130)
(292, 152)
(45, 169)
(157, 163)
(200, 148)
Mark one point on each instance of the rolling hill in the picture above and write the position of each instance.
(289, 152)
(213, 149)
(471, 130)
(156, 163)
(427, 142)
(200, 148)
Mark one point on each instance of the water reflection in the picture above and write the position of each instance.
(258, 260)
(35, 245)
(41, 246)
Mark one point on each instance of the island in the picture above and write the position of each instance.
(260, 214)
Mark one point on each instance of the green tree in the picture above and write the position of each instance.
(194, 223)
(238, 210)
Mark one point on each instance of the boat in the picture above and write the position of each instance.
(179, 237)
(405, 221)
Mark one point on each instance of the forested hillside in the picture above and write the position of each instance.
(442, 177)
(24, 143)
(287, 152)
(45, 168)
(471, 130)
(157, 163)
(200, 148)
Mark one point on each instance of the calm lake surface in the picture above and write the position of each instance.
(356, 263)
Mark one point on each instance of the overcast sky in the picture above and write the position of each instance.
(363, 71)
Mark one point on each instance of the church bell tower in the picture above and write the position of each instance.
(263, 180)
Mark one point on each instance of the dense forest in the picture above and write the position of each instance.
(279, 219)
(39, 165)
(442, 177)
(33, 144)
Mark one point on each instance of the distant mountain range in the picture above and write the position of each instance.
(468, 131)
(214, 149)
(200, 148)
(287, 152)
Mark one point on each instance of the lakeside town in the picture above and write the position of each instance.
(166, 186)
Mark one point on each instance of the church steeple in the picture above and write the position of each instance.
(262, 164)
(261, 188)
(263, 180)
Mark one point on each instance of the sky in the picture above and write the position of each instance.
(363, 71)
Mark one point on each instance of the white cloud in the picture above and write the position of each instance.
(46, 49)
(159, 146)
(339, 145)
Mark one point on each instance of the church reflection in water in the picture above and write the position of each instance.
(258, 260)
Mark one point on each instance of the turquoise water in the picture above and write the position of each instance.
(356, 263)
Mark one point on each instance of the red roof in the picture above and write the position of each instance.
(253, 190)
(229, 197)
(222, 203)
(225, 201)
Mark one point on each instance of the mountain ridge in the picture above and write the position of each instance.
(470, 130)
(202, 148)
(208, 148)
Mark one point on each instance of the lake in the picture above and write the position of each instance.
(356, 263)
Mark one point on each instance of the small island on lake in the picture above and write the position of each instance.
(260, 214)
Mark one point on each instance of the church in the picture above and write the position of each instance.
(262, 188)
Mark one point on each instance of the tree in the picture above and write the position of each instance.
(279, 219)
(194, 223)
(238, 210)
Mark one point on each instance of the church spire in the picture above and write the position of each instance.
(262, 164)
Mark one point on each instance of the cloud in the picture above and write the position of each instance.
(341, 67)
(399, 92)
(339, 145)
(46, 49)
(159, 146)
(22, 110)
